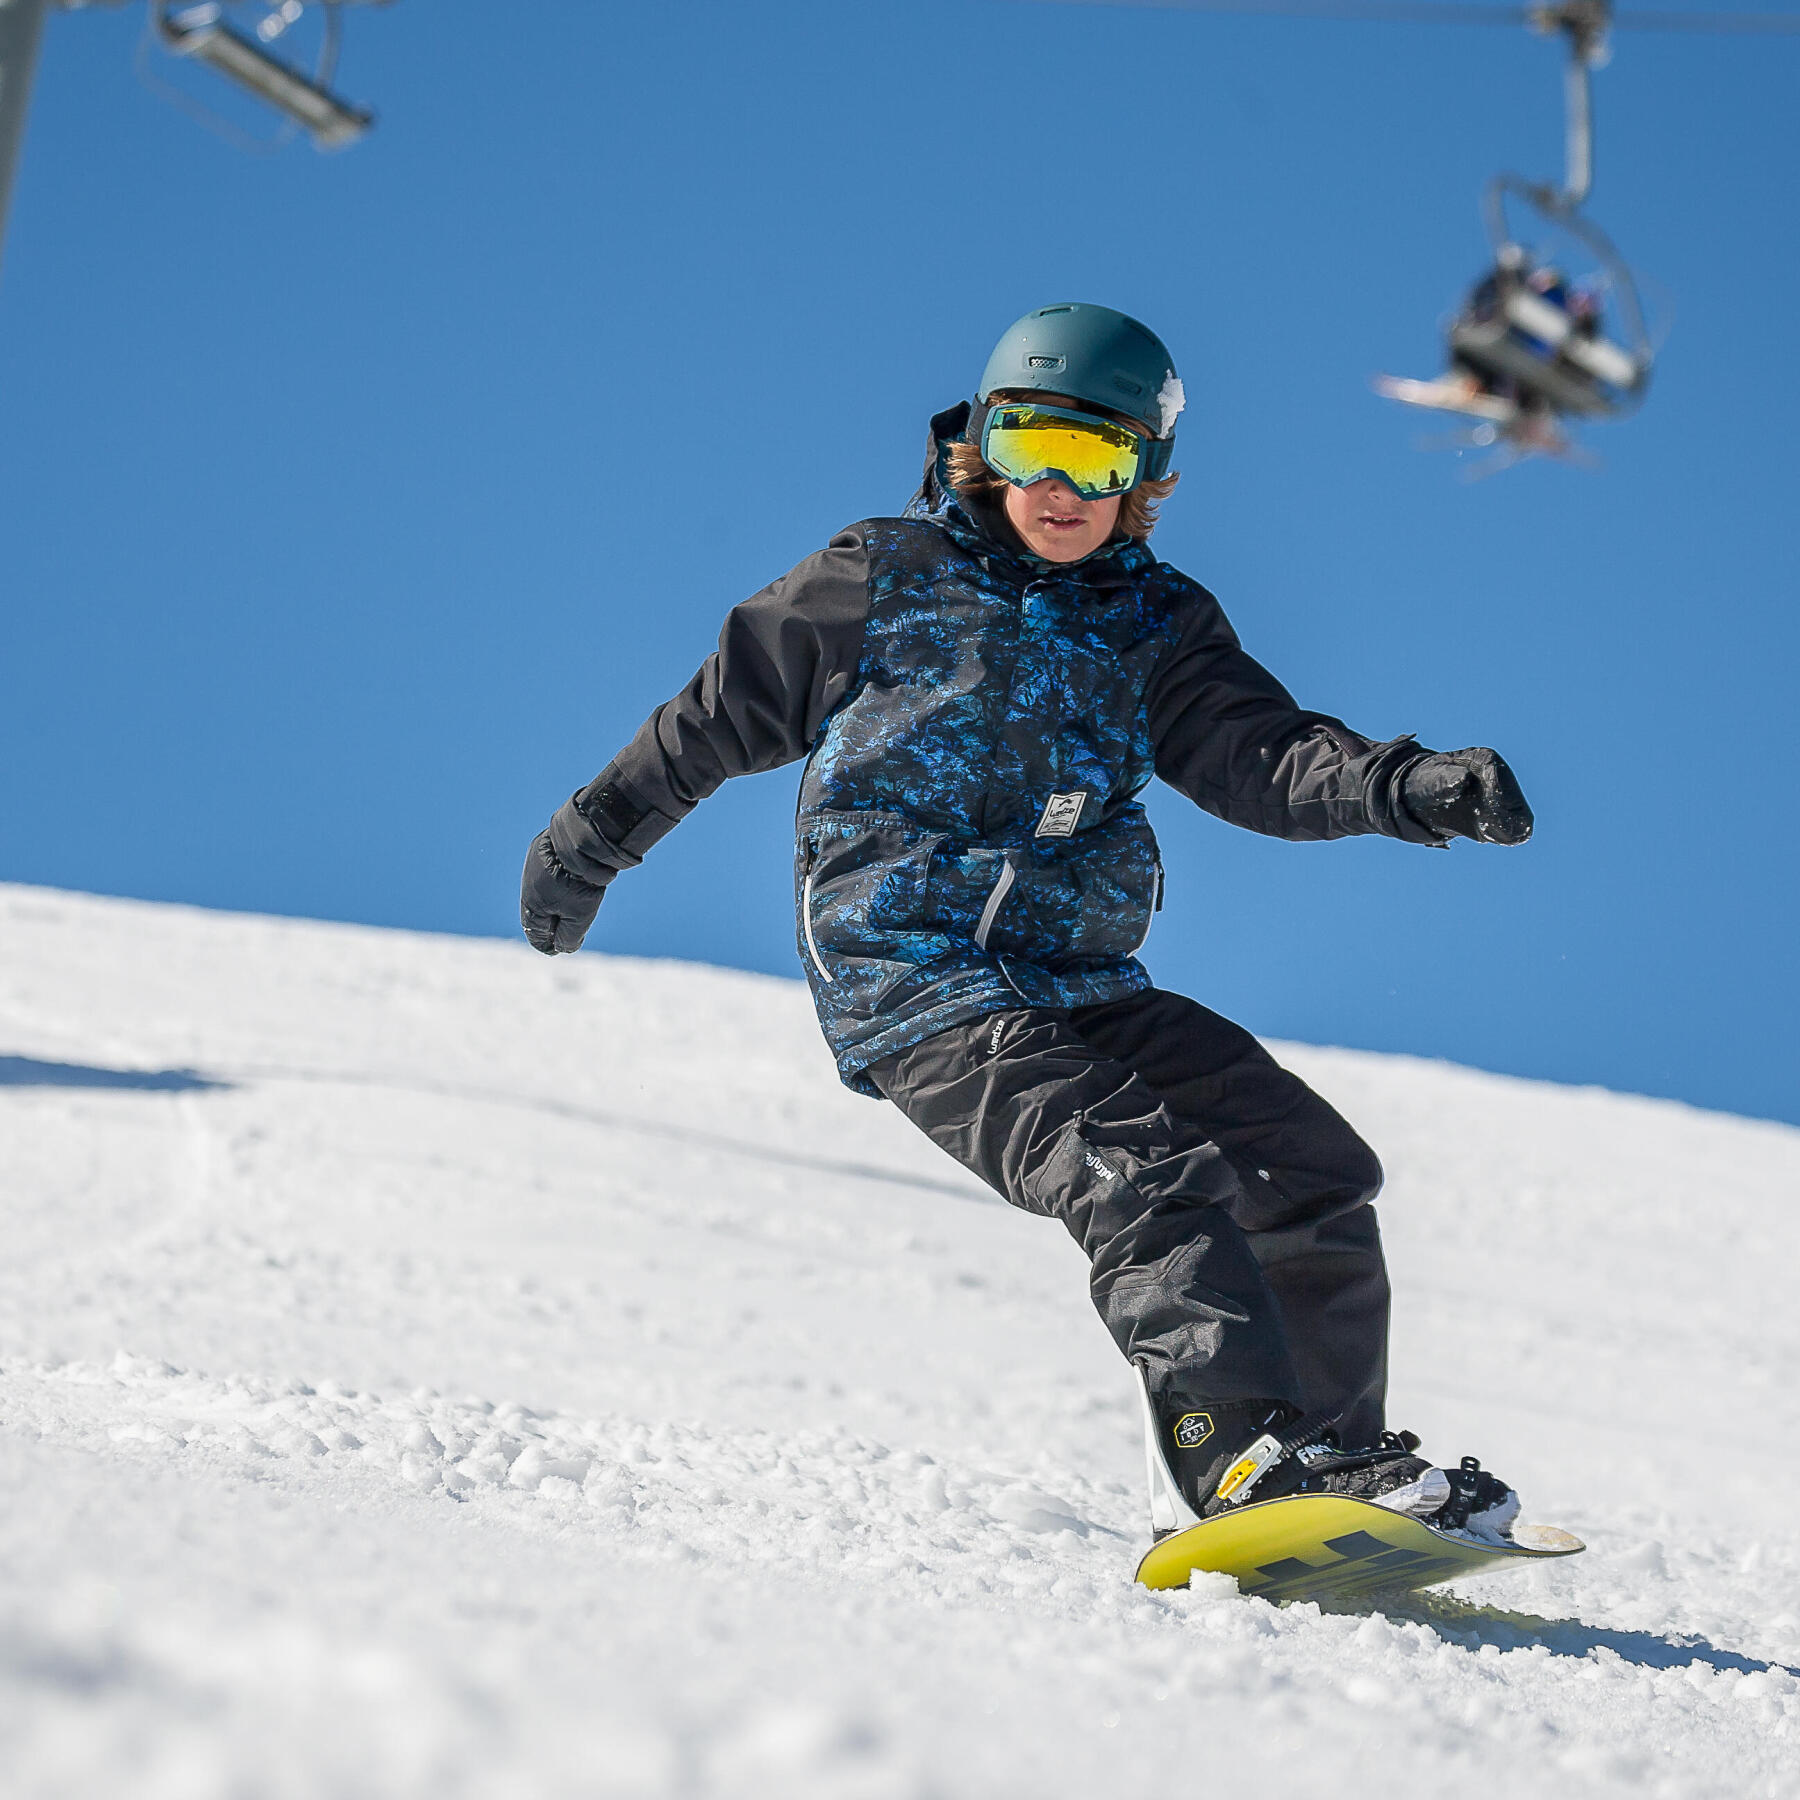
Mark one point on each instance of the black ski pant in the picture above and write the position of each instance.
(1223, 1205)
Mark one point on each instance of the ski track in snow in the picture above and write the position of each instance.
(428, 1370)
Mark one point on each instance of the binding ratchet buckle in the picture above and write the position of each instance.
(1235, 1485)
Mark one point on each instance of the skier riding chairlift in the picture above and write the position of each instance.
(1526, 352)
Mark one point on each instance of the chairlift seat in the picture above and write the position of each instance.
(1553, 327)
(1491, 347)
(1605, 361)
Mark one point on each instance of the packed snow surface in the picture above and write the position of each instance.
(431, 1370)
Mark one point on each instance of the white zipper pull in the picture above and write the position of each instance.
(812, 946)
(1008, 875)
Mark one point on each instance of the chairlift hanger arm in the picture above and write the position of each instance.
(1583, 25)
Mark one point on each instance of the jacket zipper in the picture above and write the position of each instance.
(812, 947)
(1008, 874)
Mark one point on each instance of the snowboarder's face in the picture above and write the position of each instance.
(1056, 523)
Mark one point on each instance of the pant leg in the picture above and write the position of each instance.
(1305, 1183)
(1061, 1129)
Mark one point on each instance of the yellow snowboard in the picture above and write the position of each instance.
(1323, 1546)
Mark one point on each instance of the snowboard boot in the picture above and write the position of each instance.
(1200, 1442)
(1207, 1457)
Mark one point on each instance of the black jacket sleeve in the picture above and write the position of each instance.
(1231, 737)
(786, 658)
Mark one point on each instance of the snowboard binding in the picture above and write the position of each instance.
(1284, 1535)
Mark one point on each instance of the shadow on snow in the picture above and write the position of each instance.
(1478, 1626)
(679, 1136)
(28, 1071)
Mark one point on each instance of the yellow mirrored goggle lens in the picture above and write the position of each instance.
(1096, 457)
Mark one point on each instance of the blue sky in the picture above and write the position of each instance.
(357, 508)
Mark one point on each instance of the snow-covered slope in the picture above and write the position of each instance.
(426, 1369)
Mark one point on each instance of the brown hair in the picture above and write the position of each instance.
(970, 475)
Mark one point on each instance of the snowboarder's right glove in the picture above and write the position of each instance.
(556, 907)
(597, 832)
(1467, 793)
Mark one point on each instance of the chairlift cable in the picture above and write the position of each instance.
(1736, 24)
(1449, 12)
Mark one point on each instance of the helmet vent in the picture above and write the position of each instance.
(1052, 363)
(1126, 385)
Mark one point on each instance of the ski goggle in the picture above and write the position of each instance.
(1096, 457)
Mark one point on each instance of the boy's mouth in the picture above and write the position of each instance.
(1061, 521)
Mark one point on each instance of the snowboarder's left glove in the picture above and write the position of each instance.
(1467, 793)
(556, 907)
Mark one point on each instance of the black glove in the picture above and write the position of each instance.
(1467, 793)
(555, 906)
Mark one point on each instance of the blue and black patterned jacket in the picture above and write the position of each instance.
(978, 725)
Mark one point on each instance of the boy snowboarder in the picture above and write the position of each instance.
(981, 688)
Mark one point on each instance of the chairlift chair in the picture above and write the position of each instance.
(1528, 331)
(1527, 348)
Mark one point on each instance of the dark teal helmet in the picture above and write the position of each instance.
(1094, 354)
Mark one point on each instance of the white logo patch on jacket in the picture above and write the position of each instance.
(1062, 813)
